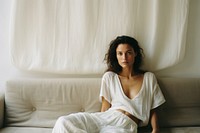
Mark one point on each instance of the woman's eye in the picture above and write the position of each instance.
(119, 53)
(129, 53)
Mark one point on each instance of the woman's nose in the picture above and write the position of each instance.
(124, 56)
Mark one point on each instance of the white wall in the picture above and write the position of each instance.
(6, 68)
(189, 67)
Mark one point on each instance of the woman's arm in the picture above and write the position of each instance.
(105, 105)
(154, 121)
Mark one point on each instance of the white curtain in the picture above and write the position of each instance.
(72, 36)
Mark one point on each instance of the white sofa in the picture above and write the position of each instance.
(33, 105)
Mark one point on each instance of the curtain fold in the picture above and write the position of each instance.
(72, 36)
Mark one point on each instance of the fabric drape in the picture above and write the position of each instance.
(72, 36)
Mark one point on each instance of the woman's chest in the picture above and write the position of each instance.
(131, 87)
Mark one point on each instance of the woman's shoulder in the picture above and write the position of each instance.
(150, 76)
(109, 74)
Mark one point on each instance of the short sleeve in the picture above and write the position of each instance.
(157, 97)
(105, 90)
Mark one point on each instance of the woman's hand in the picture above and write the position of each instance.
(155, 131)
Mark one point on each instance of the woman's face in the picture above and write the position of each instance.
(125, 55)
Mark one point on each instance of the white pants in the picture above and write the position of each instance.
(101, 122)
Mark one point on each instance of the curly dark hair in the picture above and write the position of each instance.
(111, 58)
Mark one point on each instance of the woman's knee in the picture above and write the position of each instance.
(60, 120)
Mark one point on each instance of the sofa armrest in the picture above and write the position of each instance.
(1, 108)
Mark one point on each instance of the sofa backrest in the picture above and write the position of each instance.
(39, 102)
(182, 107)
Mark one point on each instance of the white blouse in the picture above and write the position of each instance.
(149, 96)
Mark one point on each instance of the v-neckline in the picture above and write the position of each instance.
(120, 84)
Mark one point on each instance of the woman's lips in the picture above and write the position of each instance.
(125, 62)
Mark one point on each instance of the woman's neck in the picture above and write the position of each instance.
(128, 73)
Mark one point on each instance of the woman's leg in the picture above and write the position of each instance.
(119, 123)
(76, 123)
(104, 122)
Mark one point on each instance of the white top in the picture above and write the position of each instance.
(149, 96)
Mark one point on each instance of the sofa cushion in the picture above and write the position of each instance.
(49, 130)
(182, 107)
(25, 130)
(39, 102)
(1, 108)
(175, 130)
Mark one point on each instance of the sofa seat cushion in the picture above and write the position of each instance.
(174, 130)
(181, 130)
(49, 130)
(25, 130)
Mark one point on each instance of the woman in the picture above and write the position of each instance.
(129, 95)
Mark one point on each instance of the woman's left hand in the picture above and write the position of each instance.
(155, 131)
